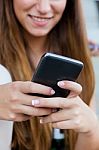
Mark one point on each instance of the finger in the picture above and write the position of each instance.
(31, 111)
(31, 87)
(61, 115)
(74, 87)
(56, 102)
(24, 99)
(11, 116)
(68, 124)
(21, 117)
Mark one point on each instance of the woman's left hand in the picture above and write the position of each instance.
(73, 114)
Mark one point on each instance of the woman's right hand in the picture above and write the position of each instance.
(16, 103)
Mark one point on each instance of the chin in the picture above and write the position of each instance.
(39, 34)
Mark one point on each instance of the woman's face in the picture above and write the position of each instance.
(38, 17)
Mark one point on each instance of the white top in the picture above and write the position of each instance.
(6, 127)
(57, 134)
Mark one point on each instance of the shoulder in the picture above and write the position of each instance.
(4, 75)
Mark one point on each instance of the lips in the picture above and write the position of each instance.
(40, 19)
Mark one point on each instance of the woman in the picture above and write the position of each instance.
(28, 29)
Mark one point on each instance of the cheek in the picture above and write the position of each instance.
(60, 7)
(22, 4)
(20, 7)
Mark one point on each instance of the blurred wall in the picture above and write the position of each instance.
(92, 19)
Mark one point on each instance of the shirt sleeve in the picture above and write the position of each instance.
(6, 127)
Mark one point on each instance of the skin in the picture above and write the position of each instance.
(19, 106)
(74, 113)
(37, 21)
(38, 17)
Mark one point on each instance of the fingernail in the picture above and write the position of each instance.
(41, 121)
(52, 92)
(61, 84)
(35, 102)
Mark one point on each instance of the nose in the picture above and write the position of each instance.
(43, 6)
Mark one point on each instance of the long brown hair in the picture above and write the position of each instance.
(67, 38)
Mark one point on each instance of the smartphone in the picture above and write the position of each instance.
(53, 68)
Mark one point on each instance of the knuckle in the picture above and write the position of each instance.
(62, 104)
(14, 85)
(30, 85)
(12, 108)
(48, 111)
(56, 125)
(15, 109)
(77, 123)
(14, 97)
(36, 112)
(52, 117)
(12, 116)
(77, 111)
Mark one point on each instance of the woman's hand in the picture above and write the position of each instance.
(73, 114)
(16, 103)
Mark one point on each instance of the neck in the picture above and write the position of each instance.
(37, 47)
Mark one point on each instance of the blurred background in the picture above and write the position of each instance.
(91, 13)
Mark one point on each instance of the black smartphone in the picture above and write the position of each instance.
(53, 68)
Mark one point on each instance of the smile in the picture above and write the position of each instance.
(40, 19)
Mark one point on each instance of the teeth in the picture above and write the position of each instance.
(39, 19)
